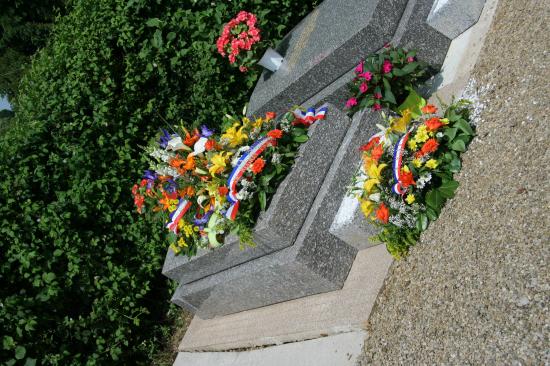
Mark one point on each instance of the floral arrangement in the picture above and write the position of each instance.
(237, 38)
(407, 170)
(205, 186)
(384, 79)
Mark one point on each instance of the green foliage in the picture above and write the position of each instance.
(24, 28)
(81, 280)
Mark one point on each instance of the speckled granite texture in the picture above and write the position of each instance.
(476, 290)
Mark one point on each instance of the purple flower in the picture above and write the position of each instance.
(206, 132)
(165, 138)
(200, 222)
(150, 176)
(172, 186)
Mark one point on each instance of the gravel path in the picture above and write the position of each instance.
(476, 290)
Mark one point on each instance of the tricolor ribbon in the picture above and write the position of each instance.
(177, 214)
(242, 165)
(398, 151)
(310, 116)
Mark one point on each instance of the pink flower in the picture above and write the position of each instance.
(387, 66)
(351, 102)
(363, 87)
(376, 107)
(359, 68)
(366, 75)
(232, 59)
(243, 68)
(377, 96)
(242, 16)
(410, 59)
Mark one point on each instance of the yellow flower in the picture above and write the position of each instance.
(219, 161)
(182, 243)
(246, 121)
(187, 230)
(175, 248)
(400, 124)
(235, 135)
(406, 169)
(445, 121)
(410, 198)
(421, 134)
(374, 173)
(367, 206)
(417, 163)
(432, 164)
(258, 123)
(412, 144)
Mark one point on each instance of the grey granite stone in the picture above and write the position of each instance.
(326, 44)
(317, 262)
(414, 32)
(453, 17)
(349, 224)
(279, 226)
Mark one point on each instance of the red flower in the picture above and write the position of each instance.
(210, 145)
(433, 123)
(270, 115)
(429, 109)
(387, 67)
(370, 144)
(223, 190)
(376, 107)
(429, 147)
(135, 189)
(377, 152)
(406, 179)
(258, 166)
(382, 213)
(377, 96)
(276, 134)
(138, 201)
(243, 68)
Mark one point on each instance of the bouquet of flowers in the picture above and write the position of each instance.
(238, 37)
(384, 79)
(407, 170)
(205, 186)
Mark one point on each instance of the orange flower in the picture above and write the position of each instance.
(210, 145)
(270, 115)
(189, 192)
(223, 190)
(276, 134)
(429, 109)
(377, 152)
(383, 214)
(190, 140)
(433, 123)
(370, 144)
(406, 178)
(177, 163)
(429, 147)
(138, 201)
(190, 163)
(258, 165)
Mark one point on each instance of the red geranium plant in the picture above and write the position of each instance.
(238, 37)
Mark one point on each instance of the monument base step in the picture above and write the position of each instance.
(310, 317)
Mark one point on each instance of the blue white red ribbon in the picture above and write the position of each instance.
(311, 115)
(177, 214)
(242, 165)
(398, 151)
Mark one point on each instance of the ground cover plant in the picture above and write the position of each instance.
(80, 272)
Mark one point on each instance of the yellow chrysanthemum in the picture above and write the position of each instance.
(219, 161)
(235, 135)
(410, 198)
(182, 243)
(417, 163)
(421, 134)
(412, 144)
(432, 164)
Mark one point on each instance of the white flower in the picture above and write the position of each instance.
(439, 135)
(276, 158)
(423, 180)
(375, 197)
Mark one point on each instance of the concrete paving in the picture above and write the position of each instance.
(310, 317)
(342, 350)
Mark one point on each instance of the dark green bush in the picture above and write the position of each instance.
(80, 272)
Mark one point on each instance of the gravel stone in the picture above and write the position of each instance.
(476, 289)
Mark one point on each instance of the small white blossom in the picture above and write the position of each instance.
(276, 158)
(375, 197)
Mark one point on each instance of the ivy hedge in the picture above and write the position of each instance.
(80, 273)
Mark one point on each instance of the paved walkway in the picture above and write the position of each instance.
(477, 288)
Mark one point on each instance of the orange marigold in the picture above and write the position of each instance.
(429, 109)
(383, 214)
(258, 165)
(433, 123)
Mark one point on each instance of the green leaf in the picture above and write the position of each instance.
(422, 222)
(301, 138)
(432, 215)
(410, 67)
(414, 103)
(30, 362)
(464, 126)
(450, 133)
(447, 189)
(153, 22)
(434, 199)
(263, 199)
(458, 145)
(20, 352)
(455, 165)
